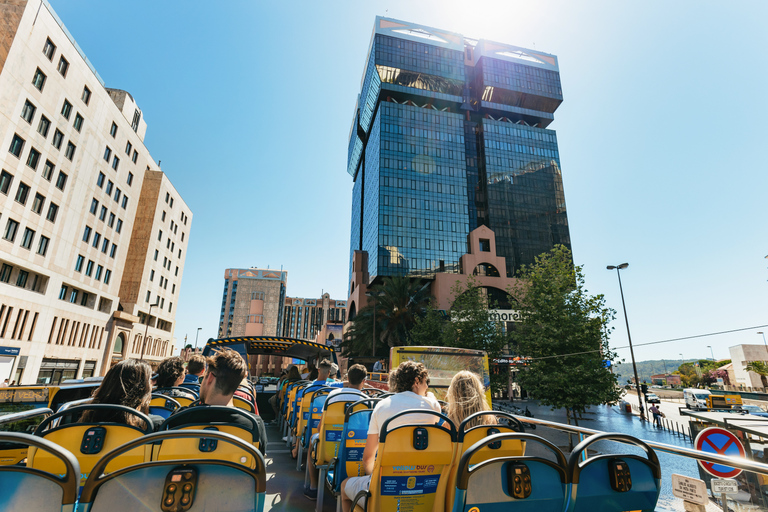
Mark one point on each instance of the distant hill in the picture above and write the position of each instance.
(647, 368)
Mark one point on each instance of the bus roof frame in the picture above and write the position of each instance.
(274, 346)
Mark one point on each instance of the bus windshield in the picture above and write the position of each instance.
(443, 363)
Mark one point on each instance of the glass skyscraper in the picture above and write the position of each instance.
(449, 134)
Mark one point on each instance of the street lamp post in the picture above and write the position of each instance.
(711, 352)
(629, 337)
(761, 332)
(196, 335)
(146, 330)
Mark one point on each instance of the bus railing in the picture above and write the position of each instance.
(24, 415)
(583, 433)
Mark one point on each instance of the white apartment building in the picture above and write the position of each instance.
(79, 198)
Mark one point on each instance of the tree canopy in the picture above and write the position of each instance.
(565, 332)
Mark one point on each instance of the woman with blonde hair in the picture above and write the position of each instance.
(465, 397)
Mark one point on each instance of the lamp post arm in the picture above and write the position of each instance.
(631, 350)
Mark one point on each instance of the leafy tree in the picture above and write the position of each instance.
(470, 327)
(565, 332)
(398, 302)
(428, 329)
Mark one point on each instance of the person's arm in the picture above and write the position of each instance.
(369, 455)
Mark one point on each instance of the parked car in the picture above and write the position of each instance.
(651, 398)
(754, 410)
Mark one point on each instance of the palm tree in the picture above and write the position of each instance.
(760, 368)
(398, 302)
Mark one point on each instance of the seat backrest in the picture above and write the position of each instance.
(614, 482)
(469, 435)
(163, 405)
(87, 441)
(330, 430)
(304, 406)
(351, 446)
(184, 396)
(294, 402)
(315, 412)
(230, 420)
(413, 463)
(151, 485)
(523, 483)
(243, 404)
(25, 488)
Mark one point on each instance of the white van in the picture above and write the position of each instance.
(696, 398)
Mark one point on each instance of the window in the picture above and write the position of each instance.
(96, 240)
(160, 235)
(28, 111)
(26, 240)
(103, 214)
(125, 202)
(167, 196)
(22, 193)
(119, 226)
(117, 194)
(130, 179)
(39, 80)
(48, 170)
(111, 222)
(79, 263)
(152, 275)
(63, 67)
(58, 138)
(177, 271)
(63, 292)
(179, 253)
(171, 203)
(21, 279)
(162, 217)
(86, 97)
(10, 230)
(100, 180)
(33, 158)
(42, 247)
(128, 148)
(109, 187)
(94, 206)
(5, 273)
(78, 121)
(135, 156)
(5, 182)
(113, 130)
(115, 162)
(37, 204)
(107, 154)
(113, 251)
(89, 268)
(43, 126)
(66, 109)
(136, 119)
(16, 146)
(107, 276)
(53, 210)
(105, 245)
(49, 49)
(87, 234)
(61, 181)
(70, 152)
(73, 296)
(148, 292)
(84, 300)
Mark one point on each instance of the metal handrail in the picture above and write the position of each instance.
(73, 403)
(737, 462)
(23, 415)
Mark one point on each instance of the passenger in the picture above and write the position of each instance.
(4, 384)
(465, 397)
(356, 376)
(378, 366)
(195, 369)
(323, 372)
(312, 375)
(409, 381)
(170, 374)
(127, 383)
(226, 370)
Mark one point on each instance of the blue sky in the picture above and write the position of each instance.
(249, 104)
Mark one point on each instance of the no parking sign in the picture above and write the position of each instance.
(720, 442)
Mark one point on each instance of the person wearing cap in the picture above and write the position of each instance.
(323, 372)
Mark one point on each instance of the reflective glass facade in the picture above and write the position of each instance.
(450, 134)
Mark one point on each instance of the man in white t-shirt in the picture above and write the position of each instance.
(410, 382)
(356, 376)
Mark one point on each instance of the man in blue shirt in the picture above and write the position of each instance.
(323, 372)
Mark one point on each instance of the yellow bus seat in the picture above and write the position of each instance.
(184, 396)
(311, 420)
(230, 420)
(163, 405)
(412, 467)
(26, 488)
(207, 484)
(87, 441)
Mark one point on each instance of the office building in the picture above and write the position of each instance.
(78, 190)
(450, 134)
(252, 305)
(305, 318)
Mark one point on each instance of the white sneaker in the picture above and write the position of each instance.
(285, 439)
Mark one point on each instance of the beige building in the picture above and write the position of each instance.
(306, 318)
(79, 193)
(252, 306)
